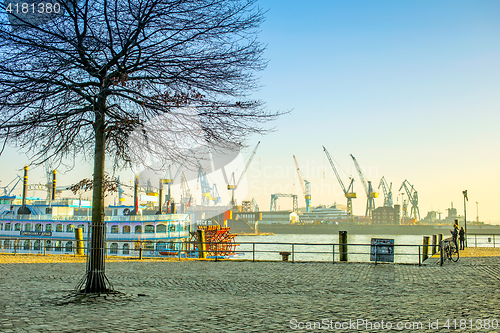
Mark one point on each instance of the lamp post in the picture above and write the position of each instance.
(477, 212)
(465, 214)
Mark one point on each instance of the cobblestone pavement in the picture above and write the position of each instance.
(191, 296)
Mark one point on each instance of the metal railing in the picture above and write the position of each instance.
(259, 251)
(486, 240)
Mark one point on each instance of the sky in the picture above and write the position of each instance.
(410, 88)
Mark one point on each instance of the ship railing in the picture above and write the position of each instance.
(163, 217)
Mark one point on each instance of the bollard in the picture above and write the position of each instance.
(79, 241)
(343, 245)
(140, 252)
(434, 240)
(425, 253)
(202, 246)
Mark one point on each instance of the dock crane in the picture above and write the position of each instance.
(306, 186)
(232, 187)
(387, 192)
(412, 197)
(367, 185)
(349, 194)
(169, 181)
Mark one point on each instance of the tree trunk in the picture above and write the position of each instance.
(96, 281)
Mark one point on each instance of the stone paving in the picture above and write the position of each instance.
(226, 296)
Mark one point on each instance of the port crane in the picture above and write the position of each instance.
(232, 187)
(412, 197)
(348, 193)
(276, 196)
(387, 192)
(208, 193)
(169, 181)
(306, 186)
(367, 185)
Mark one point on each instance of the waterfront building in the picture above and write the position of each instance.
(387, 215)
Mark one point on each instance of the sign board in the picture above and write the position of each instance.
(382, 250)
(36, 233)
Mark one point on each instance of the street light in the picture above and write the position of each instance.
(465, 214)
(477, 212)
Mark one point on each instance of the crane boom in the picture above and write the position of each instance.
(412, 197)
(387, 192)
(361, 177)
(306, 186)
(248, 163)
(234, 186)
(370, 194)
(349, 194)
(335, 170)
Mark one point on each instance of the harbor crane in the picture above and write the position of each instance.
(412, 197)
(169, 181)
(276, 196)
(232, 187)
(367, 185)
(208, 193)
(348, 193)
(306, 186)
(7, 190)
(387, 192)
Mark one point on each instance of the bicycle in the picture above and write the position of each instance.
(450, 251)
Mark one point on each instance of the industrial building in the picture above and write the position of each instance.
(387, 215)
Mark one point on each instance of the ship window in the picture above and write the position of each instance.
(149, 246)
(8, 227)
(69, 247)
(58, 246)
(27, 227)
(59, 228)
(38, 227)
(137, 246)
(114, 248)
(126, 247)
(70, 228)
(115, 229)
(82, 226)
(126, 229)
(161, 228)
(26, 245)
(48, 245)
(149, 229)
(36, 246)
(1, 226)
(17, 227)
(138, 229)
(6, 244)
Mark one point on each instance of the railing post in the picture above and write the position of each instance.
(333, 253)
(419, 258)
(375, 253)
(181, 245)
(293, 259)
(441, 253)
(253, 252)
(475, 240)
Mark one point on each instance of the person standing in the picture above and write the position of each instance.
(454, 234)
(461, 234)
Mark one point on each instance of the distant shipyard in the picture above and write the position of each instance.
(246, 217)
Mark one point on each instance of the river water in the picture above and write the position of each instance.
(406, 247)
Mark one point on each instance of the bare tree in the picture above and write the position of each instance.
(83, 81)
